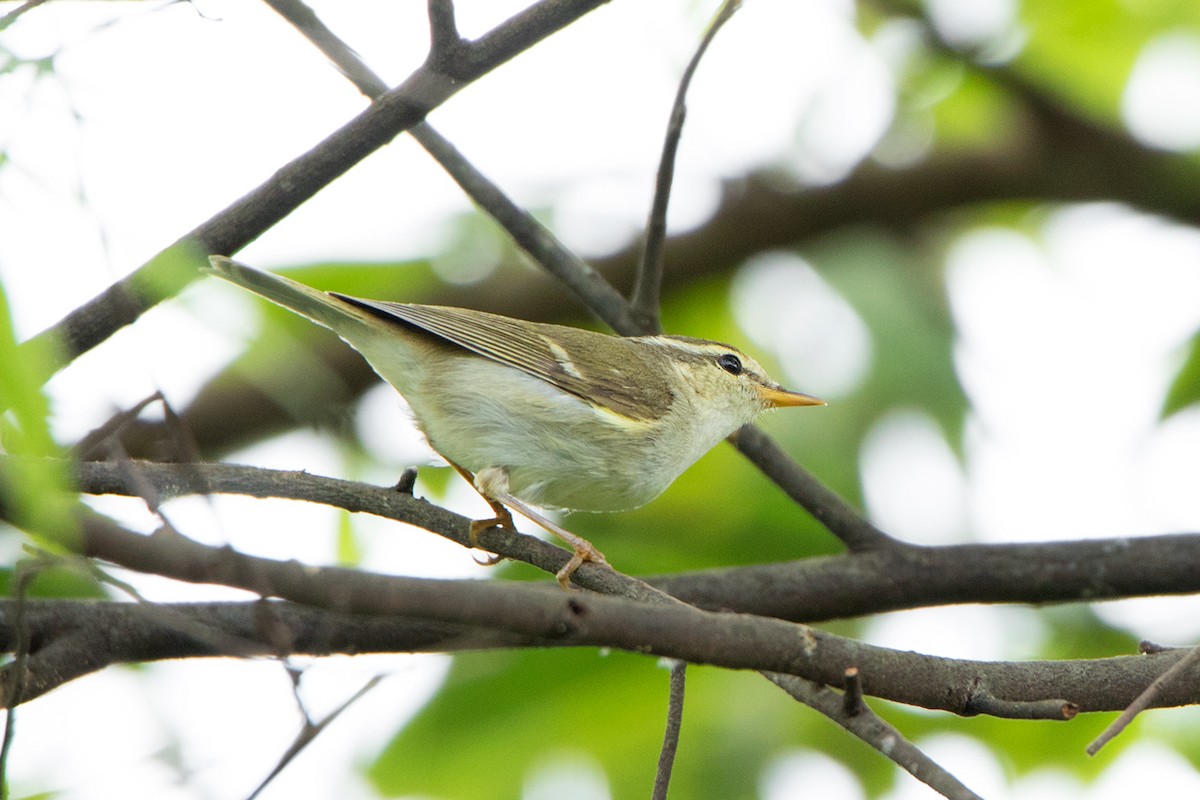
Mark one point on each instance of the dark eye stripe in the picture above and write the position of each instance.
(730, 363)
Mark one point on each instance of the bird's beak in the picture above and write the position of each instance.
(782, 398)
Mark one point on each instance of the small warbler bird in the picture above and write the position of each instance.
(542, 414)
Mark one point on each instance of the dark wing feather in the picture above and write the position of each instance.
(592, 366)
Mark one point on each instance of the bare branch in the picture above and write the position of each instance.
(842, 520)
(247, 218)
(647, 285)
(444, 42)
(873, 730)
(576, 274)
(310, 731)
(666, 758)
(852, 693)
(1147, 698)
(1051, 708)
(670, 629)
(15, 14)
(347, 61)
(74, 638)
(809, 590)
(173, 480)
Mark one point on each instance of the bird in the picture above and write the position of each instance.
(541, 415)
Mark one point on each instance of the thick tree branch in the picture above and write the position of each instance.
(737, 641)
(971, 687)
(910, 576)
(675, 630)
(70, 639)
(73, 638)
(815, 589)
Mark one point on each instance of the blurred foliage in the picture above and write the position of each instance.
(36, 497)
(1185, 389)
(501, 715)
(1085, 50)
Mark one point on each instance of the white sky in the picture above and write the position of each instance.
(152, 124)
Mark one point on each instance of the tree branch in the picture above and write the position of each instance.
(71, 638)
(304, 19)
(666, 757)
(838, 516)
(647, 284)
(247, 218)
(1146, 698)
(678, 631)
(814, 589)
(868, 726)
(529, 234)
(521, 614)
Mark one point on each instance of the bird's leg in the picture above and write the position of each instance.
(503, 518)
(492, 483)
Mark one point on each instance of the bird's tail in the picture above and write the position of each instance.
(322, 308)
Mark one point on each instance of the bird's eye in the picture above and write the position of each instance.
(730, 363)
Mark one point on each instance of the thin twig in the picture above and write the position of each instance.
(174, 268)
(310, 731)
(87, 448)
(596, 293)
(843, 586)
(868, 726)
(842, 520)
(852, 693)
(1145, 699)
(1051, 708)
(15, 14)
(666, 758)
(576, 274)
(444, 40)
(304, 19)
(647, 284)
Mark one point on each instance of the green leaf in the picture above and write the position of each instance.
(349, 549)
(55, 582)
(1185, 389)
(35, 490)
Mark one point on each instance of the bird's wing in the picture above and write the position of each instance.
(595, 367)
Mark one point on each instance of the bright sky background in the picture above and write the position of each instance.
(152, 124)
